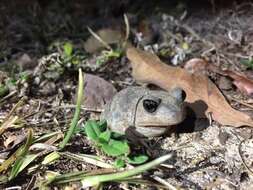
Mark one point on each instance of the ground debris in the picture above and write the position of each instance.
(33, 34)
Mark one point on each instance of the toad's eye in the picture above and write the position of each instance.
(151, 105)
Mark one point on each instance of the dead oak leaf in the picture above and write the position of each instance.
(244, 84)
(13, 140)
(200, 66)
(201, 94)
(197, 66)
(97, 92)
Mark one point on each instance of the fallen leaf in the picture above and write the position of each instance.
(196, 65)
(97, 91)
(200, 66)
(109, 36)
(244, 84)
(18, 154)
(8, 123)
(13, 140)
(201, 94)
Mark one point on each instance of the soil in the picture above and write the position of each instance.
(32, 38)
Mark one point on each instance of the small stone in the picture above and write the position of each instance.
(224, 83)
(223, 137)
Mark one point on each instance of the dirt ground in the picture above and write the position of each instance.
(33, 35)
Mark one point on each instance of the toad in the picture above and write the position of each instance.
(149, 112)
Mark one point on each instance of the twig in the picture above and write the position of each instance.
(49, 123)
(8, 96)
(31, 183)
(193, 33)
(164, 182)
(167, 166)
(64, 107)
(20, 102)
(210, 118)
(238, 56)
(99, 39)
(207, 51)
(87, 158)
(127, 27)
(241, 102)
(14, 188)
(174, 36)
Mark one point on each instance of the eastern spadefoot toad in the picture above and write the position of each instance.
(150, 112)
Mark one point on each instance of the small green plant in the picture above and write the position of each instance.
(110, 144)
(23, 76)
(68, 49)
(3, 90)
(71, 57)
(108, 55)
(10, 83)
(248, 62)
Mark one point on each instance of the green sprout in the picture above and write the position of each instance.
(108, 142)
(248, 62)
(74, 121)
(108, 55)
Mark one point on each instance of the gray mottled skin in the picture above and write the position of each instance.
(126, 109)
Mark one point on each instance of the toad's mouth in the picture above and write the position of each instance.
(157, 126)
(160, 124)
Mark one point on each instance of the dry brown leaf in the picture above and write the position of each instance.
(196, 65)
(199, 66)
(244, 84)
(13, 140)
(201, 94)
(97, 91)
(9, 123)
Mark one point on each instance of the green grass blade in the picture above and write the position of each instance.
(77, 112)
(97, 179)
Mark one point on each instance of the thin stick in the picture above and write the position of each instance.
(64, 107)
(164, 182)
(127, 27)
(8, 96)
(99, 38)
(241, 102)
(20, 102)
